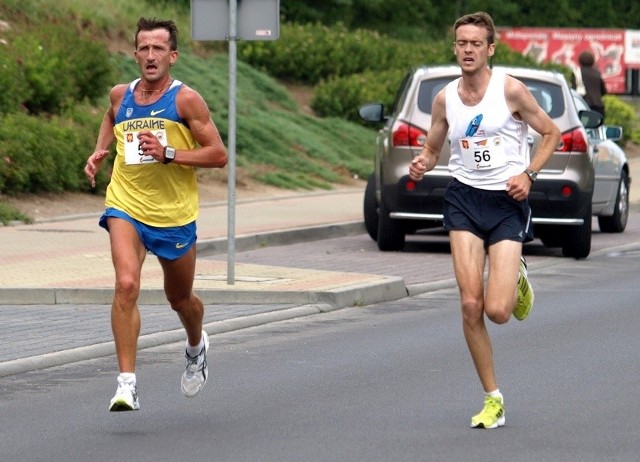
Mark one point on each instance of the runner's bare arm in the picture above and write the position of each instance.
(428, 157)
(211, 151)
(523, 105)
(105, 135)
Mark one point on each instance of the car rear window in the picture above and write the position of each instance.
(548, 95)
(428, 91)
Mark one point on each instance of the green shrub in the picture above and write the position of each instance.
(44, 71)
(310, 53)
(9, 213)
(14, 89)
(41, 154)
(618, 112)
(341, 97)
(58, 68)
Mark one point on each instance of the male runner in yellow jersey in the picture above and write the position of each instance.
(163, 131)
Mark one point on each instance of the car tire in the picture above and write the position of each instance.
(391, 234)
(577, 242)
(371, 208)
(552, 236)
(617, 222)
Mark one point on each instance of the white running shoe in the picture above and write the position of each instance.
(195, 374)
(126, 397)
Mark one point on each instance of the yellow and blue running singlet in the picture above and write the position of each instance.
(157, 194)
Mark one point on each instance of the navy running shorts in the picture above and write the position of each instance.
(493, 216)
(169, 243)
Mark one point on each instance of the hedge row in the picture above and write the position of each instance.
(618, 112)
(343, 95)
(50, 68)
(47, 75)
(44, 154)
(348, 68)
(311, 53)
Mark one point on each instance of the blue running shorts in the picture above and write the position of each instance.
(169, 243)
(493, 216)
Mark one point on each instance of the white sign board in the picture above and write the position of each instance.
(632, 47)
(256, 20)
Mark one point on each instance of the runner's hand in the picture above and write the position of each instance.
(417, 168)
(518, 186)
(94, 162)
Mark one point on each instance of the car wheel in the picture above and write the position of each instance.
(578, 239)
(391, 233)
(552, 236)
(617, 222)
(371, 208)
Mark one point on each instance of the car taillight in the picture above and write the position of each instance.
(574, 141)
(408, 135)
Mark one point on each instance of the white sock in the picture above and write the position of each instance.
(194, 351)
(495, 393)
(129, 377)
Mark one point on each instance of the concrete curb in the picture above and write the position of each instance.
(65, 295)
(366, 294)
(386, 289)
(422, 288)
(60, 358)
(283, 237)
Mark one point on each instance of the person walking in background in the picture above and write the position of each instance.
(163, 130)
(485, 206)
(588, 81)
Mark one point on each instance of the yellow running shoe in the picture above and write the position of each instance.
(525, 293)
(492, 415)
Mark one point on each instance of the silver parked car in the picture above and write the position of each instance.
(610, 201)
(560, 199)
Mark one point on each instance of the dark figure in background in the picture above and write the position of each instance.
(589, 75)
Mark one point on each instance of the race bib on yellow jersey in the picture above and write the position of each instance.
(483, 153)
(133, 154)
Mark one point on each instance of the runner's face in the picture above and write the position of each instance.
(471, 47)
(154, 55)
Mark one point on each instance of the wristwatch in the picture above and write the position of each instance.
(169, 154)
(533, 175)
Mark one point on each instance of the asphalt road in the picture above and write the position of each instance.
(391, 381)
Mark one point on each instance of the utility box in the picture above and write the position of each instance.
(256, 20)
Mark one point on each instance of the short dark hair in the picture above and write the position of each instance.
(481, 19)
(586, 58)
(151, 24)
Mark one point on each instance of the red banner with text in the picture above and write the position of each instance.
(562, 45)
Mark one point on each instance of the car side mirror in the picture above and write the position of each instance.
(613, 133)
(590, 119)
(372, 112)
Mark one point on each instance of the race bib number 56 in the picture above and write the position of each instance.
(483, 153)
(133, 154)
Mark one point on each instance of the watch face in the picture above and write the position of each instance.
(169, 154)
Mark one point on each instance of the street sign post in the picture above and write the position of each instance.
(234, 20)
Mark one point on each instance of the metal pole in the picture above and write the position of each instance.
(231, 213)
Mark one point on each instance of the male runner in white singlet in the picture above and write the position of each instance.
(485, 205)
